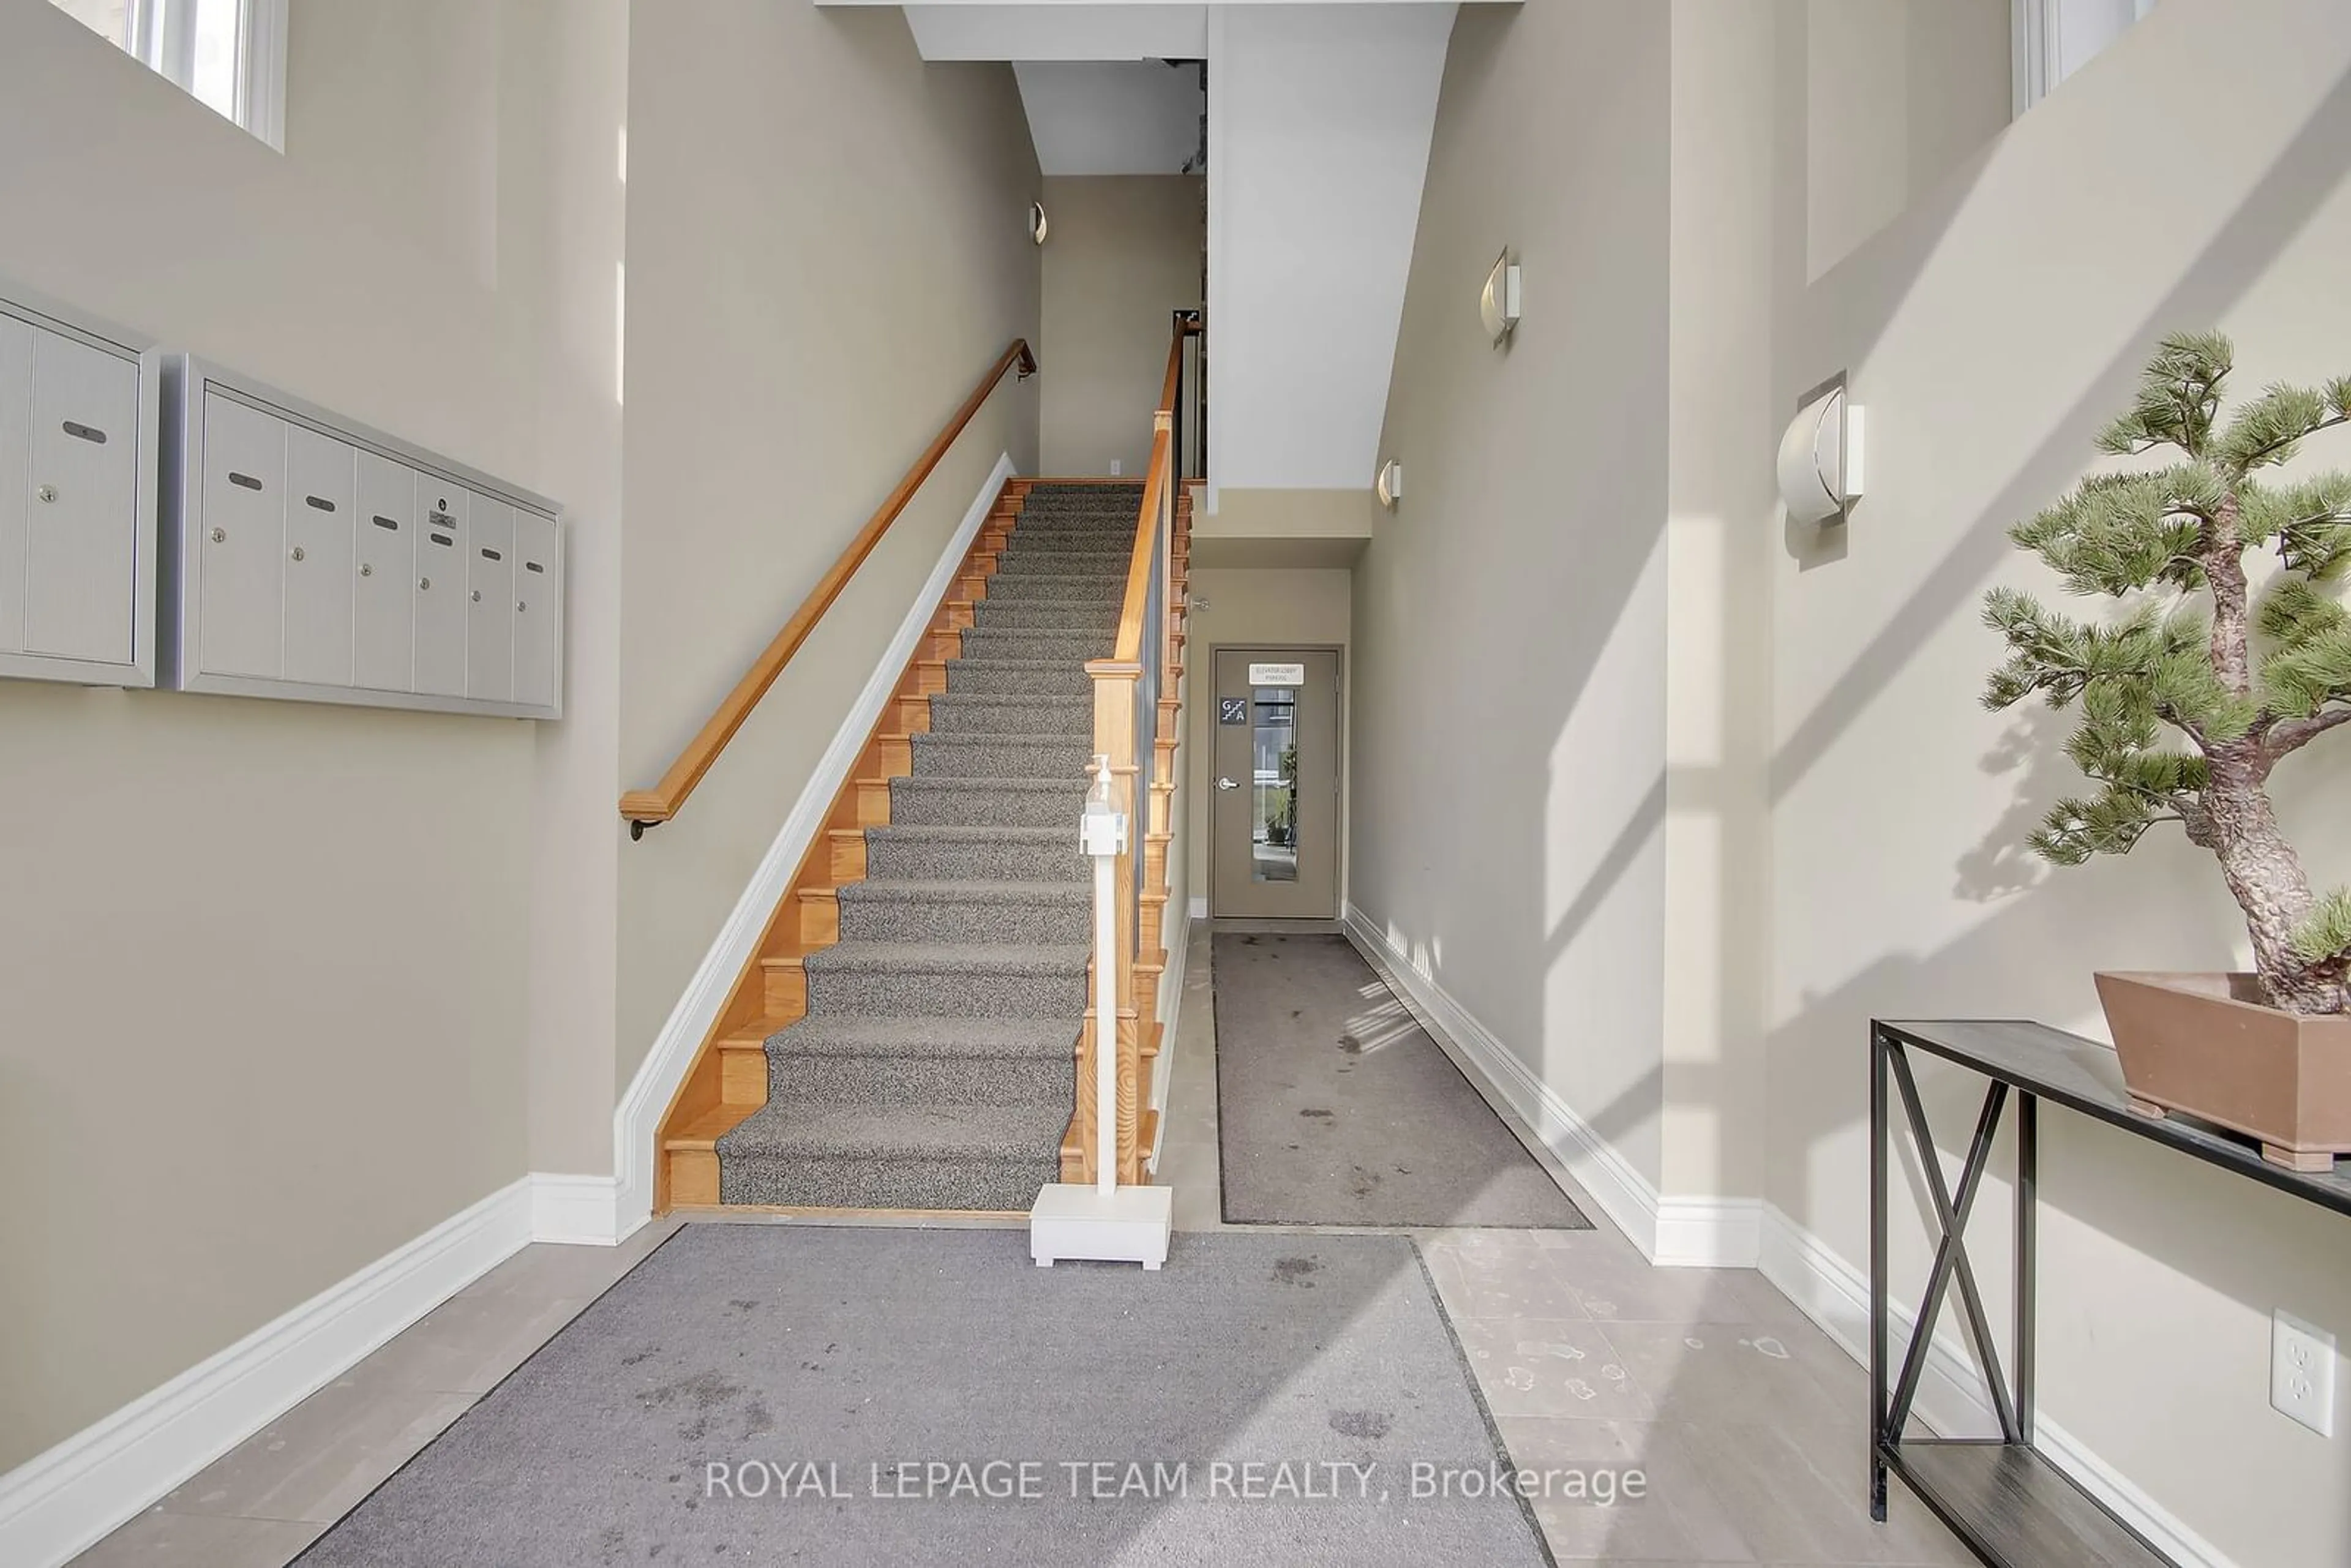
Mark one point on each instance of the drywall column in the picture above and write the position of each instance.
(1722, 525)
(562, 139)
(1319, 123)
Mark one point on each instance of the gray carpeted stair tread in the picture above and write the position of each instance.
(910, 890)
(947, 958)
(1012, 677)
(940, 801)
(983, 786)
(1048, 615)
(1055, 589)
(887, 1036)
(1030, 642)
(971, 833)
(966, 909)
(993, 756)
(1010, 706)
(893, 1132)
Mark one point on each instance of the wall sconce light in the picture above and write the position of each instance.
(1039, 226)
(1820, 457)
(1497, 304)
(1389, 486)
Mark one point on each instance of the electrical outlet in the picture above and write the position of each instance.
(1117, 466)
(2302, 1373)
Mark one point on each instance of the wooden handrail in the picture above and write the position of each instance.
(646, 807)
(1158, 477)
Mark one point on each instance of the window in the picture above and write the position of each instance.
(230, 55)
(2054, 38)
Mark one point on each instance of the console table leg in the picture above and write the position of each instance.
(2147, 1108)
(1880, 1131)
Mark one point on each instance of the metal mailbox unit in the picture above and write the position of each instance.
(309, 558)
(80, 416)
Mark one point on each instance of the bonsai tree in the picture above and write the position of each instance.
(2202, 684)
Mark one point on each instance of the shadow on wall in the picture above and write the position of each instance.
(2263, 223)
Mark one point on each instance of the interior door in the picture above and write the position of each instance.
(1274, 788)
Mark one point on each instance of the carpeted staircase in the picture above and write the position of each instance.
(934, 1068)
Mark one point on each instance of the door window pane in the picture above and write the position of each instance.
(1273, 833)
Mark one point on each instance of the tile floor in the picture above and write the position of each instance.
(1747, 1423)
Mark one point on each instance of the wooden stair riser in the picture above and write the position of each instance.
(819, 917)
(848, 856)
(743, 1075)
(692, 1177)
(786, 994)
(1152, 921)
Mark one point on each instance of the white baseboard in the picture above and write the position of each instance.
(1674, 1232)
(1951, 1399)
(1200, 908)
(59, 1503)
(637, 1121)
(579, 1210)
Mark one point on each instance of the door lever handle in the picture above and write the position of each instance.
(1227, 784)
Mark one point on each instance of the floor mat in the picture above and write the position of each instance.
(779, 1394)
(1334, 1107)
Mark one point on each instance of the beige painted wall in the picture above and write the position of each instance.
(1255, 607)
(1509, 618)
(1124, 254)
(1898, 94)
(1989, 332)
(268, 966)
(789, 168)
(1290, 514)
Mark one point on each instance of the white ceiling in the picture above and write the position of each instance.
(1112, 117)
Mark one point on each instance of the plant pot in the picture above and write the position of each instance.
(2209, 1046)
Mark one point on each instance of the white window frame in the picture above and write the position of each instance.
(163, 36)
(2048, 32)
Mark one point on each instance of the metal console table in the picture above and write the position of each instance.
(2009, 1504)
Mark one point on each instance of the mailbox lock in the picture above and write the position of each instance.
(520, 606)
(477, 596)
(297, 552)
(220, 535)
(423, 584)
(47, 492)
(366, 571)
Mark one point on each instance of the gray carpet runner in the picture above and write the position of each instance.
(933, 1069)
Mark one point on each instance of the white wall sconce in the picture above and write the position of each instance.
(1389, 486)
(1820, 457)
(1498, 303)
(1039, 226)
